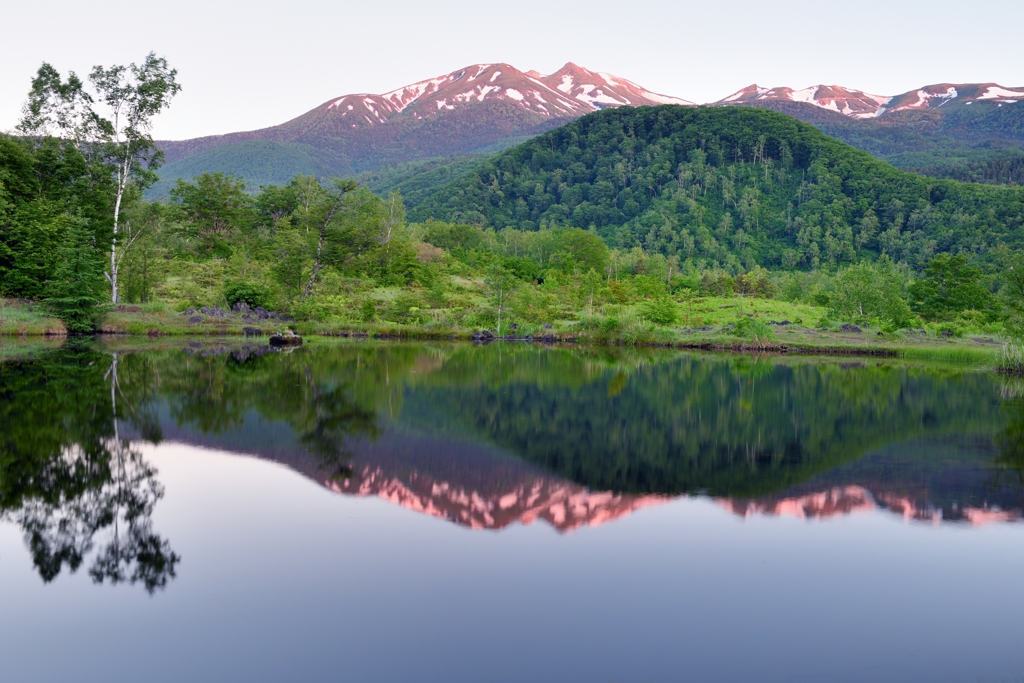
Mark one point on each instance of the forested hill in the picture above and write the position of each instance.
(732, 186)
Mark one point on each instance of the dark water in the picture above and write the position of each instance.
(368, 512)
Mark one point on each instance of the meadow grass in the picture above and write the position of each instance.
(1010, 359)
(24, 319)
(960, 354)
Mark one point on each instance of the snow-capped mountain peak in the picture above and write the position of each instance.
(854, 103)
(572, 91)
(861, 105)
(943, 94)
(600, 89)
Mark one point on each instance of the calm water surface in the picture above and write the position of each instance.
(380, 512)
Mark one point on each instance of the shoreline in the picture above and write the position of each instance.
(969, 351)
(781, 338)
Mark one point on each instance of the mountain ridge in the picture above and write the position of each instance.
(483, 108)
(858, 104)
(528, 103)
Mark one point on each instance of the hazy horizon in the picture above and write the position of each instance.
(259, 64)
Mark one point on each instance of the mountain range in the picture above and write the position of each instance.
(478, 109)
(858, 104)
(484, 108)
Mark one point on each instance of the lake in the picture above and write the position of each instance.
(213, 511)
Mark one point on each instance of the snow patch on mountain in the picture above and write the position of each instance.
(925, 97)
(993, 92)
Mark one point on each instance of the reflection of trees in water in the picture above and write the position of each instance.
(328, 399)
(641, 422)
(729, 426)
(67, 478)
(1010, 442)
(112, 515)
(331, 421)
(79, 489)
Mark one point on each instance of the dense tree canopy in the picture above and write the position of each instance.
(47, 186)
(731, 188)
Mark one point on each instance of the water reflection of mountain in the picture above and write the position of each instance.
(935, 480)
(470, 484)
(478, 486)
(487, 437)
(695, 424)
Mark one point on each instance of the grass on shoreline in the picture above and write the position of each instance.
(18, 318)
(710, 323)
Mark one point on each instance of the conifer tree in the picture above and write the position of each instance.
(77, 289)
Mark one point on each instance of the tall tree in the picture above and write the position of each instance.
(75, 291)
(120, 135)
(215, 205)
(343, 221)
(863, 291)
(501, 284)
(949, 286)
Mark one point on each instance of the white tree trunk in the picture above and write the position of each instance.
(122, 180)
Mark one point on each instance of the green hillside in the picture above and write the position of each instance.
(258, 162)
(418, 180)
(732, 187)
(977, 142)
(996, 167)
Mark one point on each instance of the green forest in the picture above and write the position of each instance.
(730, 188)
(647, 225)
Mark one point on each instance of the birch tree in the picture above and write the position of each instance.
(501, 284)
(118, 134)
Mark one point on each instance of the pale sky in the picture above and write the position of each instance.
(247, 65)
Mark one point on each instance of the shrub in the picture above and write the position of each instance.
(661, 311)
(251, 293)
(406, 309)
(756, 283)
(753, 330)
(717, 283)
